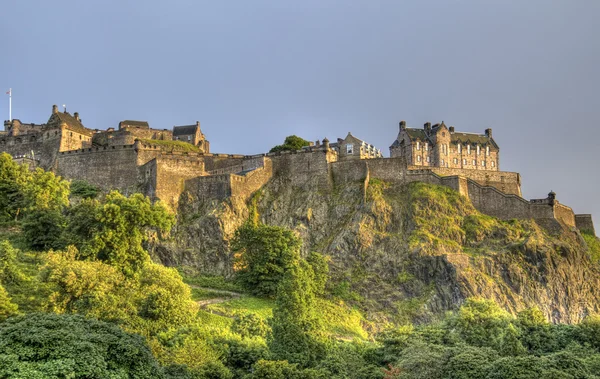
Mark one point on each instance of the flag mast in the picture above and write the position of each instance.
(9, 104)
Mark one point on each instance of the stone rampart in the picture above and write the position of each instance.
(113, 167)
(305, 168)
(585, 223)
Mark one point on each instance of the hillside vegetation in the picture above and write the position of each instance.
(348, 283)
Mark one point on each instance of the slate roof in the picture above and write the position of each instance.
(184, 130)
(480, 139)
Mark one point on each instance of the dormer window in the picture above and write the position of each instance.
(459, 148)
(478, 150)
(349, 149)
(469, 149)
(418, 145)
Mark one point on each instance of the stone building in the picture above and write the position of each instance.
(192, 134)
(355, 148)
(440, 146)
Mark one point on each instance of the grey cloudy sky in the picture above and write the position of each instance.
(255, 71)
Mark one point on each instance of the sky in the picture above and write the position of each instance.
(253, 72)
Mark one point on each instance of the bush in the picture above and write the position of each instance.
(249, 325)
(71, 346)
(83, 189)
(291, 143)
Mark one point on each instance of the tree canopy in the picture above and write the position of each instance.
(291, 143)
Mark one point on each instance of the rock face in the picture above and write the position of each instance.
(402, 253)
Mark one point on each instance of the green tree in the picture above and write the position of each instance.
(9, 269)
(122, 225)
(249, 325)
(7, 307)
(263, 253)
(83, 189)
(298, 333)
(264, 369)
(13, 178)
(291, 143)
(72, 346)
(44, 228)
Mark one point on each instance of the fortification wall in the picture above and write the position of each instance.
(245, 186)
(505, 181)
(304, 168)
(491, 201)
(106, 167)
(171, 173)
(585, 223)
(564, 214)
(214, 187)
(217, 164)
(44, 145)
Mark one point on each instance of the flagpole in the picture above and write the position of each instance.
(9, 104)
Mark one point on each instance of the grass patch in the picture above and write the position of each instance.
(206, 294)
(172, 145)
(341, 320)
(245, 304)
(210, 281)
(214, 321)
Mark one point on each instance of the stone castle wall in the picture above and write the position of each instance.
(585, 223)
(113, 167)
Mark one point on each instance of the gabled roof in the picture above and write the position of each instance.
(416, 134)
(71, 122)
(185, 130)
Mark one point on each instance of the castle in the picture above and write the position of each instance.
(163, 164)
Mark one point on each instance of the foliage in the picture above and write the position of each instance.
(22, 190)
(249, 325)
(149, 302)
(593, 244)
(121, 226)
(7, 307)
(9, 270)
(44, 228)
(72, 347)
(298, 332)
(263, 254)
(264, 369)
(84, 190)
(291, 143)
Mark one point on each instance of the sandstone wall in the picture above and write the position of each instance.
(171, 173)
(113, 167)
(305, 169)
(585, 223)
(44, 145)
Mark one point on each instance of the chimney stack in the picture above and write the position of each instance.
(54, 109)
(488, 132)
(403, 125)
(451, 129)
(198, 123)
(427, 127)
(76, 115)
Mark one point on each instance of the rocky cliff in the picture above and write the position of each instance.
(401, 252)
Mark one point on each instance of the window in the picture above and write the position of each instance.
(483, 163)
(418, 158)
(474, 162)
(426, 146)
(189, 138)
(478, 149)
(349, 149)
(443, 134)
(418, 145)
(442, 163)
(455, 160)
(464, 162)
(493, 164)
(176, 138)
(427, 159)
(444, 149)
(469, 149)
(459, 148)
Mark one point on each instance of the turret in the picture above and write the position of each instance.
(326, 143)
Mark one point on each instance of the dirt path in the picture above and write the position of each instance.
(216, 300)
